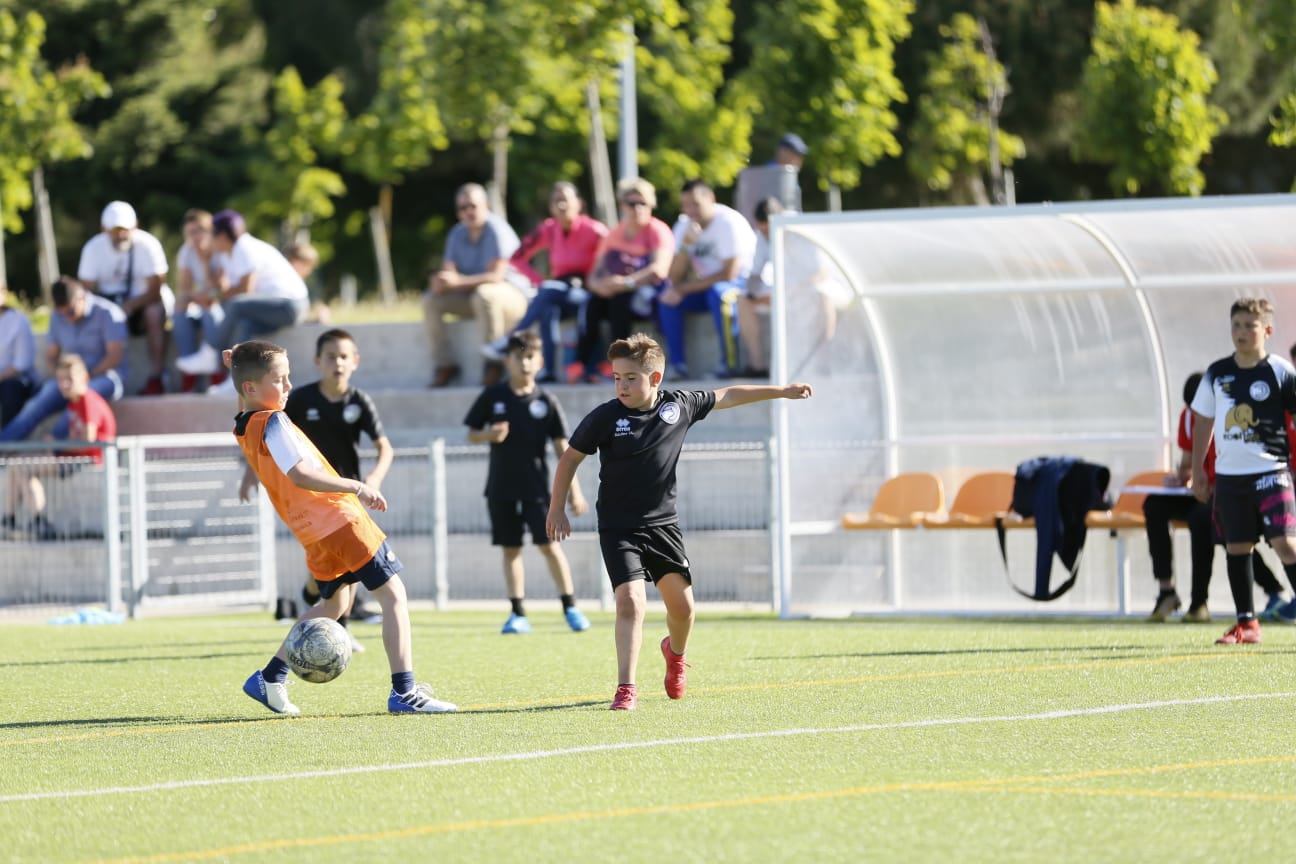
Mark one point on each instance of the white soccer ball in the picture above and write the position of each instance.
(319, 649)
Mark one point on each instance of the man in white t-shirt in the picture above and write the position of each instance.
(127, 265)
(262, 292)
(715, 250)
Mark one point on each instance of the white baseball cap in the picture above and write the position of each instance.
(118, 214)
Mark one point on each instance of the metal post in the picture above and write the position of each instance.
(440, 533)
(138, 515)
(112, 532)
(628, 139)
(771, 483)
(267, 563)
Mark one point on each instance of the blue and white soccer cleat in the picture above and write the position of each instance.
(418, 701)
(576, 619)
(268, 693)
(516, 624)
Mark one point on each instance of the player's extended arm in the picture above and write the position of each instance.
(575, 498)
(318, 480)
(556, 524)
(1201, 442)
(386, 453)
(745, 394)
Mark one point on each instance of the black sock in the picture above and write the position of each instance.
(1240, 577)
(276, 671)
(311, 597)
(402, 682)
(568, 601)
(344, 619)
(518, 608)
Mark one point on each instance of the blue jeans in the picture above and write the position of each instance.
(551, 304)
(250, 315)
(721, 299)
(186, 327)
(14, 392)
(48, 400)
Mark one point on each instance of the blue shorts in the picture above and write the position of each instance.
(376, 573)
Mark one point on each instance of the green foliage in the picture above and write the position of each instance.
(37, 107)
(1144, 101)
(288, 184)
(950, 138)
(826, 68)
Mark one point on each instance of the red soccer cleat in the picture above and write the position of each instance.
(1244, 632)
(626, 698)
(676, 677)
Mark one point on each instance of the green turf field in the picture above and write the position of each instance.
(858, 740)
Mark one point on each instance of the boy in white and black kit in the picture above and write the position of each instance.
(639, 436)
(1243, 400)
(519, 419)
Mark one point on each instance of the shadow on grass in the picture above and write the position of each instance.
(1108, 652)
(535, 709)
(144, 658)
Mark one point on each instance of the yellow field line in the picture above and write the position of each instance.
(980, 785)
(780, 685)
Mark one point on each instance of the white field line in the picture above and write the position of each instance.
(629, 745)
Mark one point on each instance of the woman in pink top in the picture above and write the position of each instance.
(630, 270)
(571, 239)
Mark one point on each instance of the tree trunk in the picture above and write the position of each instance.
(46, 251)
(499, 170)
(600, 165)
(382, 255)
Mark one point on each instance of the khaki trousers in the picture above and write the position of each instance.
(497, 306)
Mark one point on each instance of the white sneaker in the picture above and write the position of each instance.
(225, 388)
(495, 350)
(418, 701)
(356, 647)
(204, 361)
(270, 694)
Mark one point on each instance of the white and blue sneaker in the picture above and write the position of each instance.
(576, 619)
(1285, 614)
(270, 694)
(418, 701)
(1271, 607)
(516, 624)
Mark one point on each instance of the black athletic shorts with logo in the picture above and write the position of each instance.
(509, 516)
(645, 553)
(1247, 505)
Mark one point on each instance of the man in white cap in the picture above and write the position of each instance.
(127, 265)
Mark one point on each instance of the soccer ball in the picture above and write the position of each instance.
(319, 649)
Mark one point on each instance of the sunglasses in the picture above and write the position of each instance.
(634, 203)
(469, 205)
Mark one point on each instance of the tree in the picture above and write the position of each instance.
(956, 129)
(827, 70)
(37, 107)
(1143, 101)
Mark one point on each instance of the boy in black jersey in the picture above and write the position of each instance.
(639, 436)
(332, 413)
(518, 418)
(1243, 400)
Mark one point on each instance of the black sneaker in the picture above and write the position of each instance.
(1167, 604)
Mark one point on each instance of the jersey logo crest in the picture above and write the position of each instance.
(1240, 417)
(1259, 391)
(539, 409)
(312, 415)
(351, 413)
(669, 413)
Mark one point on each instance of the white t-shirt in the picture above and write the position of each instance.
(284, 441)
(107, 267)
(727, 236)
(275, 276)
(189, 259)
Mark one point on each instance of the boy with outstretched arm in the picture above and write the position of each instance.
(639, 436)
(327, 514)
(1242, 401)
(518, 418)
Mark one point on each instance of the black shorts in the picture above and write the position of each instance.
(373, 575)
(508, 517)
(1247, 505)
(647, 553)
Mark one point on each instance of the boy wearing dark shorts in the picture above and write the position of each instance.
(639, 436)
(1242, 401)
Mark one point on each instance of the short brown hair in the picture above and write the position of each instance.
(524, 342)
(72, 362)
(337, 334)
(639, 185)
(201, 218)
(1253, 306)
(251, 360)
(642, 349)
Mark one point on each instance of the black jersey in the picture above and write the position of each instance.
(518, 469)
(1249, 407)
(638, 452)
(335, 427)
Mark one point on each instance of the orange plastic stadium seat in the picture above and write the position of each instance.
(980, 499)
(902, 502)
(1127, 512)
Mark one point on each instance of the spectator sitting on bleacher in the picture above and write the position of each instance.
(261, 292)
(714, 250)
(571, 239)
(84, 324)
(304, 258)
(128, 266)
(17, 359)
(198, 314)
(89, 418)
(475, 281)
(630, 270)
